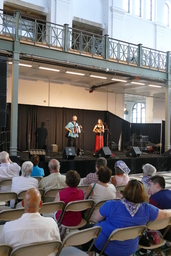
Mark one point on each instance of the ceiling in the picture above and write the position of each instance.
(132, 92)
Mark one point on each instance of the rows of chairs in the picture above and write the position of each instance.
(67, 247)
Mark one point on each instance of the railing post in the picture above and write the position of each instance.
(17, 16)
(66, 37)
(106, 47)
(140, 55)
(81, 43)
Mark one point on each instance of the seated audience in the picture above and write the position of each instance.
(37, 171)
(92, 177)
(121, 175)
(55, 179)
(8, 170)
(31, 227)
(159, 196)
(148, 171)
(101, 190)
(23, 182)
(131, 210)
(69, 194)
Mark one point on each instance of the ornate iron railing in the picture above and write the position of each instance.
(70, 39)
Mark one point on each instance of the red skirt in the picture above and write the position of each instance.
(98, 142)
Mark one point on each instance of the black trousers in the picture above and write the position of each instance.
(72, 142)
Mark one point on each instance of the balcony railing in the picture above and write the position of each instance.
(64, 38)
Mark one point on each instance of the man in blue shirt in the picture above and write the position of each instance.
(159, 196)
(73, 130)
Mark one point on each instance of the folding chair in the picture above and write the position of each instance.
(21, 194)
(78, 238)
(157, 225)
(51, 207)
(39, 248)
(77, 206)
(5, 250)
(90, 212)
(12, 214)
(5, 185)
(120, 188)
(6, 196)
(49, 195)
(122, 234)
(83, 187)
(37, 178)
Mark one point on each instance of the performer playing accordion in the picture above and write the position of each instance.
(73, 130)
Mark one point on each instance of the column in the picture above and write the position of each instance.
(167, 106)
(14, 100)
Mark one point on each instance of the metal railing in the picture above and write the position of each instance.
(81, 42)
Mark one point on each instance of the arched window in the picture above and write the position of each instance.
(126, 5)
(149, 10)
(138, 113)
(166, 14)
(138, 8)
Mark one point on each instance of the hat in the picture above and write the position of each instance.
(149, 169)
(122, 165)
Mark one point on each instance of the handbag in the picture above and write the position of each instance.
(154, 236)
(91, 191)
(144, 240)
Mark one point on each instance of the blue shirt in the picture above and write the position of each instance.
(37, 171)
(161, 199)
(117, 216)
(71, 125)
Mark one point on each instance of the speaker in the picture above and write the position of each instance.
(168, 153)
(69, 153)
(103, 152)
(40, 152)
(3, 92)
(134, 152)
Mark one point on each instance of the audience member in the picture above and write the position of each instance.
(131, 210)
(8, 169)
(69, 194)
(121, 175)
(92, 177)
(55, 179)
(31, 227)
(159, 196)
(23, 182)
(101, 190)
(37, 171)
(148, 171)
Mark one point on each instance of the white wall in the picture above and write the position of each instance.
(64, 95)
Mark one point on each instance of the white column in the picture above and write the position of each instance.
(167, 105)
(117, 22)
(149, 110)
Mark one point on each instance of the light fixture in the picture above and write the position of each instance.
(119, 80)
(74, 73)
(137, 83)
(125, 110)
(49, 69)
(10, 63)
(25, 65)
(154, 85)
(101, 77)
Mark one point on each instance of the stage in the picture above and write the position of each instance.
(85, 164)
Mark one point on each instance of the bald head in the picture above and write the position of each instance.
(32, 201)
(54, 166)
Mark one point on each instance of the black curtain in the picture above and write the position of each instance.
(55, 119)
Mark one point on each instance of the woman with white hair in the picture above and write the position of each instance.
(23, 182)
(148, 171)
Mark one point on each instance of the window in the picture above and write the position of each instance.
(166, 14)
(138, 8)
(126, 5)
(149, 10)
(138, 113)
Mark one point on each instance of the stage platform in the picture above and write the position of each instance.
(85, 164)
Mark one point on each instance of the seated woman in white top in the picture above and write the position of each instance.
(23, 182)
(101, 190)
(121, 175)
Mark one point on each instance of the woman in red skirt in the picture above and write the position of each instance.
(99, 130)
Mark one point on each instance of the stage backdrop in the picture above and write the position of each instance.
(54, 120)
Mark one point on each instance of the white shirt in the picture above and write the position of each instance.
(23, 183)
(30, 228)
(8, 171)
